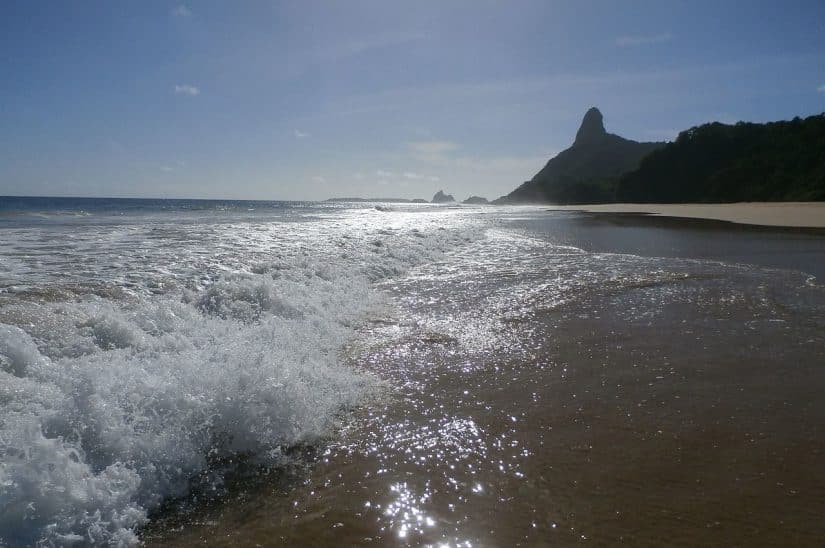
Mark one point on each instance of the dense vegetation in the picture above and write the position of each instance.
(778, 161)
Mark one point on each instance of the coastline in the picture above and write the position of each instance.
(785, 214)
(586, 368)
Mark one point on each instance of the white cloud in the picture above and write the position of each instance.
(186, 89)
(419, 177)
(319, 179)
(181, 11)
(644, 40)
(382, 173)
(301, 135)
(821, 89)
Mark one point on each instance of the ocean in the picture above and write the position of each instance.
(281, 373)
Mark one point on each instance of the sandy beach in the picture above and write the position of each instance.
(794, 214)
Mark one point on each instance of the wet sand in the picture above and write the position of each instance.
(658, 446)
(672, 402)
(792, 214)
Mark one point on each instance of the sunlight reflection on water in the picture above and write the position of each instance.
(535, 393)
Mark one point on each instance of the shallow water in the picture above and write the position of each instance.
(485, 377)
(144, 349)
(544, 394)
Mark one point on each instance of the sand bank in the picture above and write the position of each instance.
(797, 214)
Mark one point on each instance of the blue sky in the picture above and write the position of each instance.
(309, 100)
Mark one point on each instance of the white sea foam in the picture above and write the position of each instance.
(109, 405)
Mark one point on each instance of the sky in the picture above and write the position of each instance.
(309, 100)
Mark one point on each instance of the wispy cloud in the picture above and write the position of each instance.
(186, 89)
(542, 91)
(181, 11)
(301, 135)
(522, 89)
(644, 40)
(420, 177)
(442, 155)
(385, 176)
(821, 89)
(169, 168)
(432, 147)
(319, 179)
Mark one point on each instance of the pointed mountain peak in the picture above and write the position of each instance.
(592, 127)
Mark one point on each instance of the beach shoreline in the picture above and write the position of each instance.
(780, 214)
(600, 363)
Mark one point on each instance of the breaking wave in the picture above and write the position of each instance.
(111, 404)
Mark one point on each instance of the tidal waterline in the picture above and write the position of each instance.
(573, 378)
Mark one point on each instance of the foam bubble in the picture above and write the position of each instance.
(17, 351)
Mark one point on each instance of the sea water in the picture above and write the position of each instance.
(141, 341)
(471, 376)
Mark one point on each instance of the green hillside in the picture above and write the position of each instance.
(588, 171)
(745, 162)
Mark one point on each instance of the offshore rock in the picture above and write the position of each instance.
(441, 198)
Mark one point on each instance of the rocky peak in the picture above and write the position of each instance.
(592, 128)
(441, 198)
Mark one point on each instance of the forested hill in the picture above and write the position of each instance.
(588, 171)
(745, 162)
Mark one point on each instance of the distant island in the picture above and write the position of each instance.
(441, 198)
(711, 163)
(476, 200)
(388, 200)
